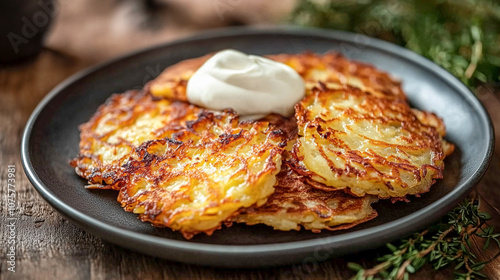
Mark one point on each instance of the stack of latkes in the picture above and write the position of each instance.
(353, 140)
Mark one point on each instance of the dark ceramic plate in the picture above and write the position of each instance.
(51, 139)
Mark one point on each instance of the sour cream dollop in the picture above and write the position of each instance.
(251, 85)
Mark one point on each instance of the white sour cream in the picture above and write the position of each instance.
(251, 85)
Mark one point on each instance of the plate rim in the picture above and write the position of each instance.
(422, 216)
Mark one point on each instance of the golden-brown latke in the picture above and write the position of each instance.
(349, 138)
(119, 126)
(203, 174)
(332, 69)
(335, 71)
(296, 203)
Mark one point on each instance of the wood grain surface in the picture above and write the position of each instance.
(90, 31)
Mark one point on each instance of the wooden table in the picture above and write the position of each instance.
(48, 246)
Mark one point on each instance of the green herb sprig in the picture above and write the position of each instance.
(462, 36)
(445, 243)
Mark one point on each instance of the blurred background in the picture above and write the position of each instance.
(462, 36)
(95, 30)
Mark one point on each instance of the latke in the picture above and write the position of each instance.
(355, 140)
(204, 174)
(119, 126)
(332, 69)
(295, 204)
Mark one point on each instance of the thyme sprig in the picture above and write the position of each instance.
(445, 243)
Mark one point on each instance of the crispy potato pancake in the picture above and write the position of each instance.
(331, 69)
(349, 138)
(120, 125)
(296, 203)
(335, 71)
(204, 174)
